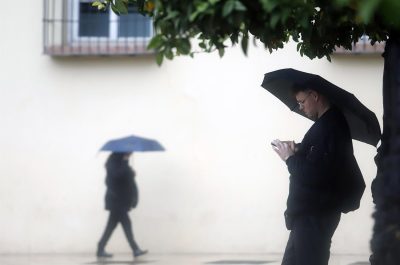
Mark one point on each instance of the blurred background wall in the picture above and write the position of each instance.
(219, 187)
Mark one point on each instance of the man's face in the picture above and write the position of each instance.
(307, 103)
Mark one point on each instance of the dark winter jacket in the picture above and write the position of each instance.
(324, 175)
(122, 193)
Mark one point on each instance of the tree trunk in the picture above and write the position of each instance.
(385, 243)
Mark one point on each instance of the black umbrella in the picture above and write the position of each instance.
(364, 125)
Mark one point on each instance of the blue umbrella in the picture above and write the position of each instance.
(132, 144)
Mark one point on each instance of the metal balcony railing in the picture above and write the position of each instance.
(74, 27)
(363, 46)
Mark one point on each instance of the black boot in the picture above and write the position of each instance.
(102, 254)
(138, 252)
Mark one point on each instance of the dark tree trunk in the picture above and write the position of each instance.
(385, 243)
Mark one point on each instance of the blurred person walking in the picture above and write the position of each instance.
(121, 197)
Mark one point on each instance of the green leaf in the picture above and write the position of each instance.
(221, 52)
(99, 5)
(115, 10)
(121, 6)
(274, 20)
(168, 54)
(202, 7)
(245, 43)
(269, 5)
(183, 47)
(239, 6)
(193, 16)
(159, 57)
(228, 8)
(328, 57)
(202, 45)
(155, 42)
(234, 38)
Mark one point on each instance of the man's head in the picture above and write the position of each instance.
(312, 103)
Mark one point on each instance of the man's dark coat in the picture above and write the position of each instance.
(122, 192)
(324, 175)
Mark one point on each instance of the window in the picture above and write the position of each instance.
(75, 27)
(91, 22)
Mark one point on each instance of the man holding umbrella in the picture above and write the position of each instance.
(325, 179)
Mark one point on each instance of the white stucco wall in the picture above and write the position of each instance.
(218, 188)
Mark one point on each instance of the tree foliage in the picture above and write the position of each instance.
(318, 26)
(186, 27)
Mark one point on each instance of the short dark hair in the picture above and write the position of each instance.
(301, 87)
(304, 86)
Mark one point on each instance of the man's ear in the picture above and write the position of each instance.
(315, 95)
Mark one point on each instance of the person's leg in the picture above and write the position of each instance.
(312, 238)
(328, 225)
(127, 226)
(112, 222)
(289, 255)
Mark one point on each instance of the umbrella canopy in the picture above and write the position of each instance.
(364, 125)
(132, 144)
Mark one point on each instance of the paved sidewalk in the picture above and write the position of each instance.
(167, 259)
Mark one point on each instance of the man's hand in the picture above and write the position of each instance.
(283, 149)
